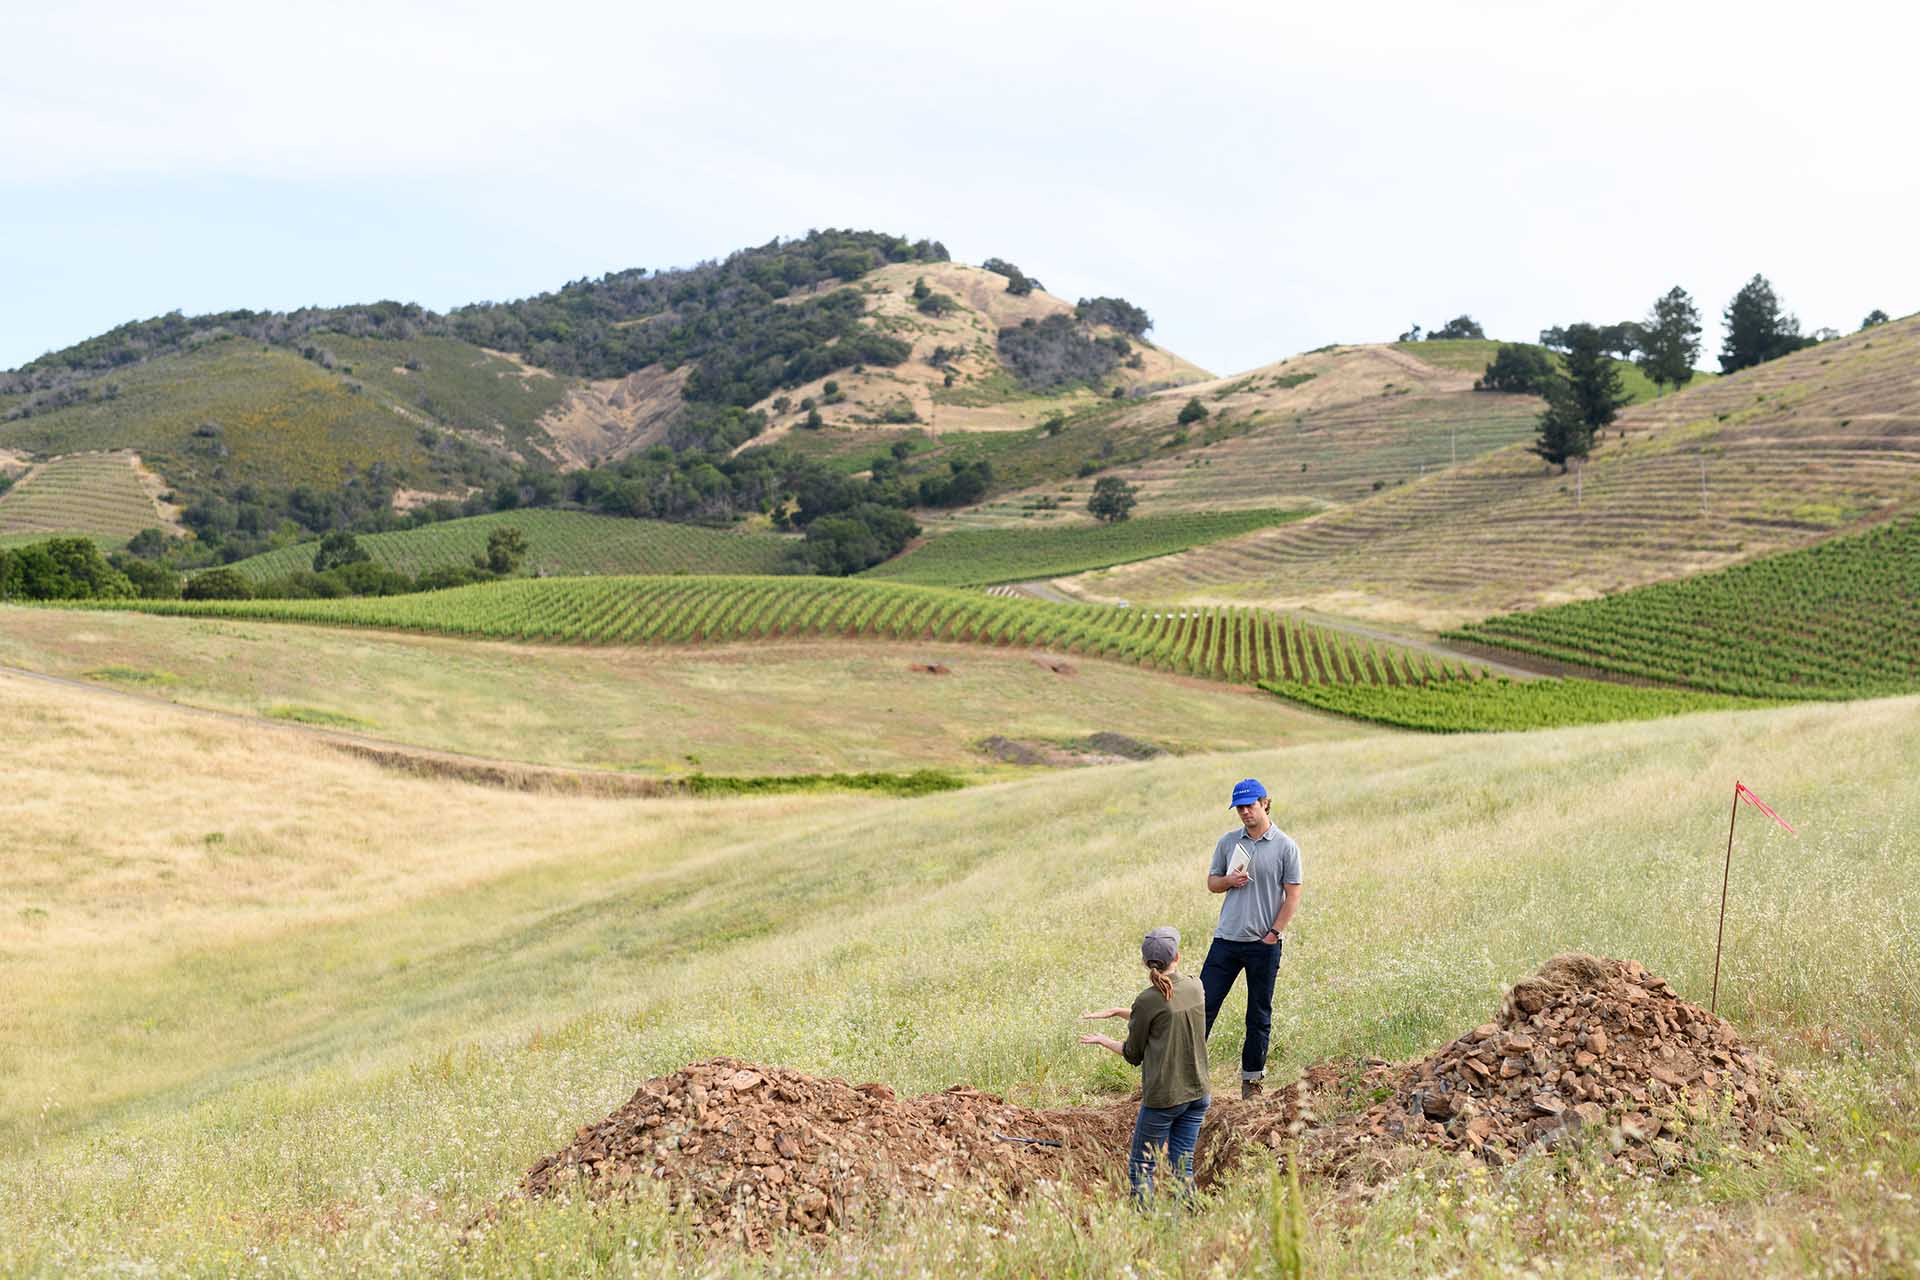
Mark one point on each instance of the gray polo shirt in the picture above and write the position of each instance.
(1248, 911)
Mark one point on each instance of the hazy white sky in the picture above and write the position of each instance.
(1262, 180)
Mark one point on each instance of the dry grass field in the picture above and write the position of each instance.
(273, 1011)
(769, 707)
(1769, 459)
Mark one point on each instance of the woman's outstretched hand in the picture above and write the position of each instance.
(1105, 1042)
(1117, 1011)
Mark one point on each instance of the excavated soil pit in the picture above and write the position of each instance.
(1588, 1048)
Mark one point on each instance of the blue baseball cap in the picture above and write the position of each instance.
(1246, 791)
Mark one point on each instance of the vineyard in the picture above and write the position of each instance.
(983, 557)
(1495, 705)
(1239, 645)
(559, 543)
(1838, 620)
(97, 493)
(1771, 459)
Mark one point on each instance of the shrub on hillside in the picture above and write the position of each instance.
(1461, 326)
(217, 584)
(964, 482)
(857, 539)
(1192, 411)
(1517, 367)
(60, 569)
(336, 549)
(150, 581)
(1115, 312)
(1058, 351)
(1112, 499)
(1018, 281)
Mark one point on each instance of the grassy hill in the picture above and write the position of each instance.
(1473, 355)
(1317, 430)
(560, 543)
(100, 494)
(232, 413)
(1769, 459)
(1840, 619)
(768, 707)
(1282, 655)
(323, 1028)
(983, 557)
(869, 332)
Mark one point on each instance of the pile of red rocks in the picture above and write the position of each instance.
(1591, 1047)
(748, 1150)
(1588, 1046)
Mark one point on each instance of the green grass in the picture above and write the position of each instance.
(980, 557)
(454, 383)
(1236, 645)
(95, 495)
(102, 541)
(282, 421)
(338, 1087)
(1840, 619)
(921, 782)
(318, 716)
(560, 543)
(1498, 705)
(1473, 355)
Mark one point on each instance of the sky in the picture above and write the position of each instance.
(1262, 180)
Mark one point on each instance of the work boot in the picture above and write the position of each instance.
(1249, 1089)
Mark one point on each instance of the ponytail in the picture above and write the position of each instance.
(1162, 982)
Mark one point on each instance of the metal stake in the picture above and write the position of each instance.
(1725, 876)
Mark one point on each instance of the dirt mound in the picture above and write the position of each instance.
(749, 1150)
(1586, 1046)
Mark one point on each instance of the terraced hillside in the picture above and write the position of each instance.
(1318, 430)
(100, 494)
(559, 543)
(986, 557)
(1838, 620)
(1770, 459)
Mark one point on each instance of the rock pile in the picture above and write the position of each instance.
(1586, 1046)
(748, 1150)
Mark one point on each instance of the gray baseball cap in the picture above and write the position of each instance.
(1160, 946)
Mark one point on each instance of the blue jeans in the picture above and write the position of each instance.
(1225, 960)
(1176, 1129)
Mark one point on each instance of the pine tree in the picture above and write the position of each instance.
(1671, 339)
(1757, 329)
(1563, 433)
(1593, 377)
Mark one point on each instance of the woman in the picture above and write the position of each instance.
(1167, 1040)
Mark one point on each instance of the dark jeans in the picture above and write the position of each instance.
(1175, 1128)
(1225, 960)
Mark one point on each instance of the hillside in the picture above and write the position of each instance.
(364, 1005)
(1840, 619)
(834, 341)
(106, 494)
(559, 543)
(1773, 458)
(1317, 430)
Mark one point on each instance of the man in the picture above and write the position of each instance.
(1262, 885)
